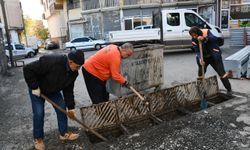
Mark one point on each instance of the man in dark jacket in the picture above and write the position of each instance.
(51, 75)
(211, 54)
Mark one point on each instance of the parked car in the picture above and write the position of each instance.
(143, 27)
(19, 51)
(86, 42)
(51, 45)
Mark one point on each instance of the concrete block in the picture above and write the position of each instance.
(238, 62)
(144, 70)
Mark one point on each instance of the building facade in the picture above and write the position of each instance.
(101, 16)
(234, 13)
(75, 21)
(55, 15)
(14, 19)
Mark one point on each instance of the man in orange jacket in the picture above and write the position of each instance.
(103, 65)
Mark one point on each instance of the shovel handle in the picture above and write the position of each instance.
(201, 57)
(75, 119)
(137, 93)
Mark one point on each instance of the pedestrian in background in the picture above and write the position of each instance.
(211, 54)
(51, 75)
(103, 65)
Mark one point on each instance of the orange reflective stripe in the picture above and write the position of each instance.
(204, 32)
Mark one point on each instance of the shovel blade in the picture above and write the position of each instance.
(203, 104)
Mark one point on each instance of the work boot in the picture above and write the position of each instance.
(69, 136)
(39, 144)
(230, 93)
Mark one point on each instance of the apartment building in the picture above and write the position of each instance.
(75, 21)
(55, 15)
(14, 19)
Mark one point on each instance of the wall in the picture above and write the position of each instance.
(57, 25)
(14, 37)
(14, 17)
(75, 14)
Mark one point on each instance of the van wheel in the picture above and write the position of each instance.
(31, 54)
(98, 46)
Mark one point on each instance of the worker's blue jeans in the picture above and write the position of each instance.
(38, 114)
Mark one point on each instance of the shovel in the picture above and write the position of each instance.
(203, 104)
(75, 119)
(139, 95)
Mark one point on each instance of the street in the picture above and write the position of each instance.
(16, 114)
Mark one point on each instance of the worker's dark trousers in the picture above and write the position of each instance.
(96, 88)
(38, 114)
(219, 68)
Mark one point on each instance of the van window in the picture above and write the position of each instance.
(76, 40)
(19, 47)
(147, 27)
(138, 28)
(193, 20)
(173, 19)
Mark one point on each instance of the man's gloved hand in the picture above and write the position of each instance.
(126, 84)
(36, 92)
(72, 113)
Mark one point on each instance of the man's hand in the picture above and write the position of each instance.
(202, 63)
(126, 84)
(72, 114)
(201, 38)
(36, 92)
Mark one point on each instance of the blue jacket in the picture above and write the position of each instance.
(210, 48)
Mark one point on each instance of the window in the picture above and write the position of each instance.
(138, 28)
(128, 24)
(224, 19)
(84, 39)
(173, 19)
(147, 27)
(193, 20)
(76, 40)
(72, 4)
(19, 47)
(92, 38)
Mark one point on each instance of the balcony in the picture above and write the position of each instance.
(54, 7)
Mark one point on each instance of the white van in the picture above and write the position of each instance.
(170, 27)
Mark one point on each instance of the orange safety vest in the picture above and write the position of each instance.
(204, 32)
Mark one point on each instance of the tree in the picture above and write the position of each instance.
(41, 33)
(35, 28)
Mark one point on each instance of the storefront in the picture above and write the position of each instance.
(235, 14)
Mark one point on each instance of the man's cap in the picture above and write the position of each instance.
(77, 56)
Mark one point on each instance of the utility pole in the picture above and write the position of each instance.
(7, 32)
(3, 58)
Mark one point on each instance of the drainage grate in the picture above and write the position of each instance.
(122, 115)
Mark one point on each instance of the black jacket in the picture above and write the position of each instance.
(51, 73)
